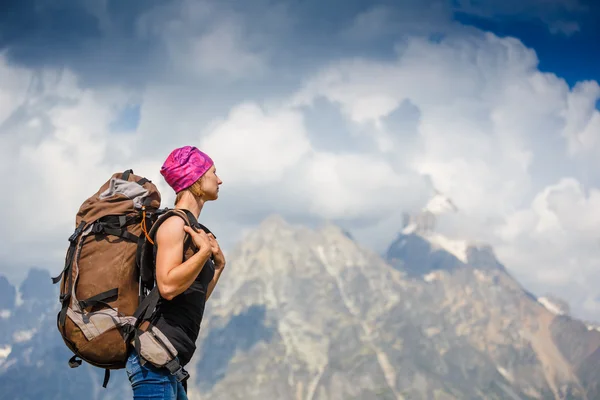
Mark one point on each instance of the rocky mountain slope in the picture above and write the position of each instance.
(310, 314)
(332, 320)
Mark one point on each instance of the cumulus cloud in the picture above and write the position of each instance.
(493, 133)
(57, 149)
(356, 186)
(268, 159)
(255, 147)
(583, 119)
(553, 243)
(358, 139)
(462, 139)
(203, 40)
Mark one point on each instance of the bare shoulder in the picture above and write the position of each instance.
(171, 231)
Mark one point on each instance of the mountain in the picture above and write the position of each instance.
(310, 314)
(33, 357)
(439, 319)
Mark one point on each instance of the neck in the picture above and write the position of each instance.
(189, 202)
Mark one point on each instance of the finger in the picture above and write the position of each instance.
(189, 229)
(202, 233)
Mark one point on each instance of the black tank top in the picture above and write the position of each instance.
(180, 318)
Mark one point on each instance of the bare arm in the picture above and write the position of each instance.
(219, 259)
(213, 282)
(172, 276)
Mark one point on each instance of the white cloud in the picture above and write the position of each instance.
(221, 52)
(203, 40)
(493, 133)
(462, 89)
(583, 119)
(57, 150)
(256, 147)
(267, 153)
(14, 88)
(413, 17)
(554, 243)
(354, 186)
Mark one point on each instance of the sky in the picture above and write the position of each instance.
(349, 111)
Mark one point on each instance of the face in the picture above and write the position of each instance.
(210, 184)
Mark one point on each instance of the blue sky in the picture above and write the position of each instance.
(352, 111)
(572, 56)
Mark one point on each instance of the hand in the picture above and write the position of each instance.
(200, 239)
(219, 258)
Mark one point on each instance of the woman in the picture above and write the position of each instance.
(185, 282)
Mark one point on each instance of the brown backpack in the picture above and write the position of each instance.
(108, 292)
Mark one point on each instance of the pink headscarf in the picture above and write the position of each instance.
(184, 166)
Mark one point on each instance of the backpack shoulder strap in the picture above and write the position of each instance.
(194, 222)
(147, 265)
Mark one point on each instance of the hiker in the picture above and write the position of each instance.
(185, 281)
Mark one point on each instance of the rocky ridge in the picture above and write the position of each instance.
(339, 322)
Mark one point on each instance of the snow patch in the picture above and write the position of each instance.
(430, 277)
(5, 314)
(410, 228)
(550, 306)
(23, 336)
(458, 248)
(505, 374)
(593, 328)
(19, 300)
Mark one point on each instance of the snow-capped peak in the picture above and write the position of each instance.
(458, 248)
(423, 224)
(440, 204)
(410, 228)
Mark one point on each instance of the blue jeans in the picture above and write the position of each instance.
(150, 382)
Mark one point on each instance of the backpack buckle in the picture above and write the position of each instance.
(181, 374)
(177, 370)
(98, 228)
(75, 234)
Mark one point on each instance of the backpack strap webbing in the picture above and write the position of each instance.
(100, 298)
(194, 222)
(69, 261)
(106, 377)
(146, 307)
